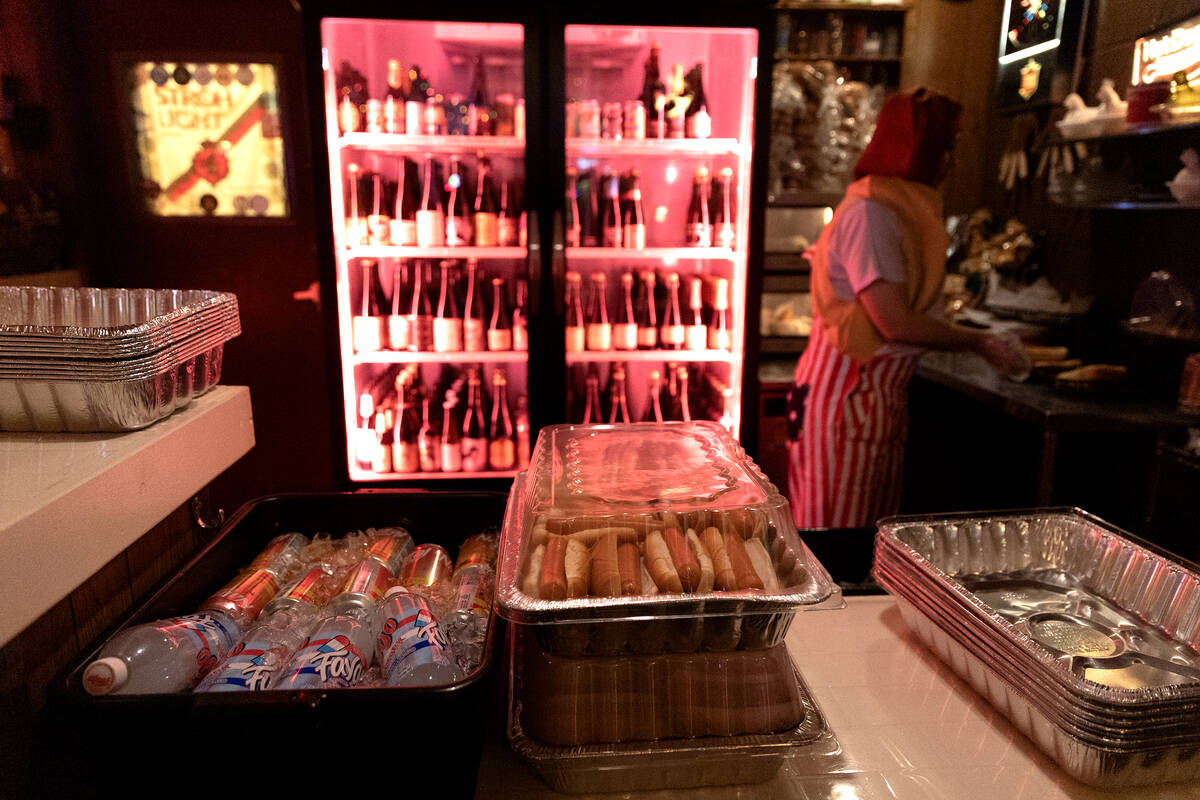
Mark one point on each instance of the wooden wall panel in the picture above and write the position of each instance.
(951, 47)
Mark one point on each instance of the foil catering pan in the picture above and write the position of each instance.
(90, 406)
(958, 552)
(1083, 760)
(28, 313)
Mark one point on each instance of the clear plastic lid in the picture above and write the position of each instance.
(624, 522)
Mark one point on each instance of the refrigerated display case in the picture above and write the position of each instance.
(659, 121)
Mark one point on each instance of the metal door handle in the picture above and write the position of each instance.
(312, 294)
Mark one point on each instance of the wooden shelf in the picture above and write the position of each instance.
(1131, 205)
(365, 476)
(1134, 132)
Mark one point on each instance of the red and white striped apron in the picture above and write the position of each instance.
(846, 467)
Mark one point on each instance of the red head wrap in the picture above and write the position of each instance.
(914, 132)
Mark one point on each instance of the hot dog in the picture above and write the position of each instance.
(686, 564)
(743, 568)
(552, 585)
(659, 564)
(723, 575)
(605, 573)
(706, 564)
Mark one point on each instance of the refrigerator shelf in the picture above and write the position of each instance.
(679, 356)
(357, 474)
(395, 251)
(426, 357)
(667, 254)
(421, 144)
(653, 147)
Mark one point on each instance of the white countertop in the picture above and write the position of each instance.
(908, 727)
(71, 502)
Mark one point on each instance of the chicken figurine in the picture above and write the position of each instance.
(1186, 186)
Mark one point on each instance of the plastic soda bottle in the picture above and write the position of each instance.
(256, 662)
(174, 654)
(411, 649)
(337, 651)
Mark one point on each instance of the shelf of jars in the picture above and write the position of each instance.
(397, 251)
(652, 147)
(666, 254)
(680, 356)
(366, 475)
(438, 144)
(430, 357)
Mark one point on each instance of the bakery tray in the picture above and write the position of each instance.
(637, 485)
(676, 763)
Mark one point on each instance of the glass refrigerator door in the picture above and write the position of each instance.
(425, 124)
(660, 128)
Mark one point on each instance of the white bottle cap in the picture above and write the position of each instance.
(395, 590)
(105, 675)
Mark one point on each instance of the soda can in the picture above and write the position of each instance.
(477, 549)
(246, 595)
(426, 565)
(365, 585)
(635, 119)
(390, 549)
(612, 121)
(589, 119)
(411, 648)
(314, 587)
(473, 592)
(375, 121)
(280, 553)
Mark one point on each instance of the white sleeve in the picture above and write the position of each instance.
(865, 248)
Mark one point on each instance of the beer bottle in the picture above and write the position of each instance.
(404, 214)
(406, 454)
(599, 329)
(397, 322)
(634, 234)
(522, 425)
(612, 228)
(520, 317)
(591, 407)
(575, 330)
(625, 331)
(499, 335)
(486, 221)
(719, 335)
(654, 408)
(429, 441)
(431, 219)
(696, 337)
(672, 332)
(369, 325)
(458, 215)
(420, 316)
(506, 221)
(574, 225)
(447, 326)
(474, 436)
(618, 403)
(647, 317)
(451, 441)
(474, 340)
(699, 223)
(724, 225)
(502, 444)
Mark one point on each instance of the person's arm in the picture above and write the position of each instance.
(896, 322)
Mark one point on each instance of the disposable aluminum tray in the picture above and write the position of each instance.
(587, 482)
(90, 316)
(665, 763)
(1119, 731)
(1163, 594)
(90, 406)
(1092, 764)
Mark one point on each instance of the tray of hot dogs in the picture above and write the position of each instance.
(652, 538)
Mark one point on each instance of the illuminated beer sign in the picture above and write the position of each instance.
(208, 139)
(1162, 55)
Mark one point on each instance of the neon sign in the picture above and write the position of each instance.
(1162, 55)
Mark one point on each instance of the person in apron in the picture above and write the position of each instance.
(876, 282)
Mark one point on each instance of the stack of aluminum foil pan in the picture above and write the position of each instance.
(85, 359)
(1084, 637)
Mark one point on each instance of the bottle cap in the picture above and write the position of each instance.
(105, 675)
(395, 590)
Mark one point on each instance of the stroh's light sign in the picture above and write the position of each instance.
(1158, 57)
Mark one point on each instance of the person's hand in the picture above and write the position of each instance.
(1006, 353)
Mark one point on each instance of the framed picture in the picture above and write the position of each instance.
(209, 140)
(1037, 52)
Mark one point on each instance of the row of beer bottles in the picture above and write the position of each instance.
(674, 393)
(607, 210)
(456, 321)
(654, 320)
(429, 210)
(420, 428)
